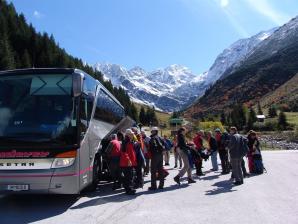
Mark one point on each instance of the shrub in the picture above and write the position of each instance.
(211, 125)
(267, 126)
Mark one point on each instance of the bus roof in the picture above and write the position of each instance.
(55, 71)
(38, 71)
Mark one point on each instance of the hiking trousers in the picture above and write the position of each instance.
(186, 166)
(237, 169)
(177, 157)
(157, 167)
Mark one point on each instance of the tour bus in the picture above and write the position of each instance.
(52, 124)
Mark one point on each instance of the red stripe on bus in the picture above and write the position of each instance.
(81, 172)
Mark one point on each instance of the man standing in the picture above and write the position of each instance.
(223, 154)
(156, 150)
(237, 152)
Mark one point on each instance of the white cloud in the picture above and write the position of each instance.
(224, 3)
(266, 9)
(37, 14)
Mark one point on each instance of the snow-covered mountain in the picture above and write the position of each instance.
(152, 88)
(176, 87)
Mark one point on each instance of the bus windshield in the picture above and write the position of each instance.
(37, 108)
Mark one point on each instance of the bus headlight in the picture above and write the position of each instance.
(62, 162)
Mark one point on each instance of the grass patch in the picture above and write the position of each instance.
(292, 118)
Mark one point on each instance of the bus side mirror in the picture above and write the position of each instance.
(77, 84)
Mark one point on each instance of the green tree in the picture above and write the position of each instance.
(142, 116)
(260, 111)
(238, 116)
(223, 119)
(175, 114)
(272, 111)
(6, 55)
(282, 121)
(252, 118)
(25, 61)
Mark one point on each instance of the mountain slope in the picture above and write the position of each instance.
(176, 87)
(287, 94)
(152, 88)
(272, 63)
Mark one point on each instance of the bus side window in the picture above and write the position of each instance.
(107, 109)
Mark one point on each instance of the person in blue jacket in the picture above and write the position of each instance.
(168, 147)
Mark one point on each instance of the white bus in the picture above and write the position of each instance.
(52, 123)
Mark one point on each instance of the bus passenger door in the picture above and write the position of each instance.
(85, 115)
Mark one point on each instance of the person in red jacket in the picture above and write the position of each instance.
(128, 160)
(114, 158)
(198, 141)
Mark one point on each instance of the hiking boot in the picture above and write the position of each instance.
(116, 186)
(131, 192)
(160, 187)
(191, 181)
(177, 179)
(246, 175)
(152, 188)
(200, 174)
(238, 183)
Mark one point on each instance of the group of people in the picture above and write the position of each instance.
(133, 155)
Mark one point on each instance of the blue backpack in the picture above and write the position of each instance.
(258, 167)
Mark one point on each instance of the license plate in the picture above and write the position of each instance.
(23, 187)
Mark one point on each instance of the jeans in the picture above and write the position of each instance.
(214, 160)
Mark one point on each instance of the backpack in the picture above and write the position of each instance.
(156, 145)
(243, 146)
(258, 167)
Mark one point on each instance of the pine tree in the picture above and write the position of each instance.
(6, 55)
(272, 111)
(25, 61)
(252, 118)
(223, 118)
(142, 116)
(260, 111)
(282, 121)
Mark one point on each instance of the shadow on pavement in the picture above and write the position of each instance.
(210, 177)
(19, 209)
(106, 195)
(224, 186)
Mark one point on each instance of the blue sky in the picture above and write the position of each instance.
(153, 33)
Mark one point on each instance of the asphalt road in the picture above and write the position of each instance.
(268, 198)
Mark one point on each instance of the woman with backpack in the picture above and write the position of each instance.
(184, 152)
(128, 160)
(254, 154)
